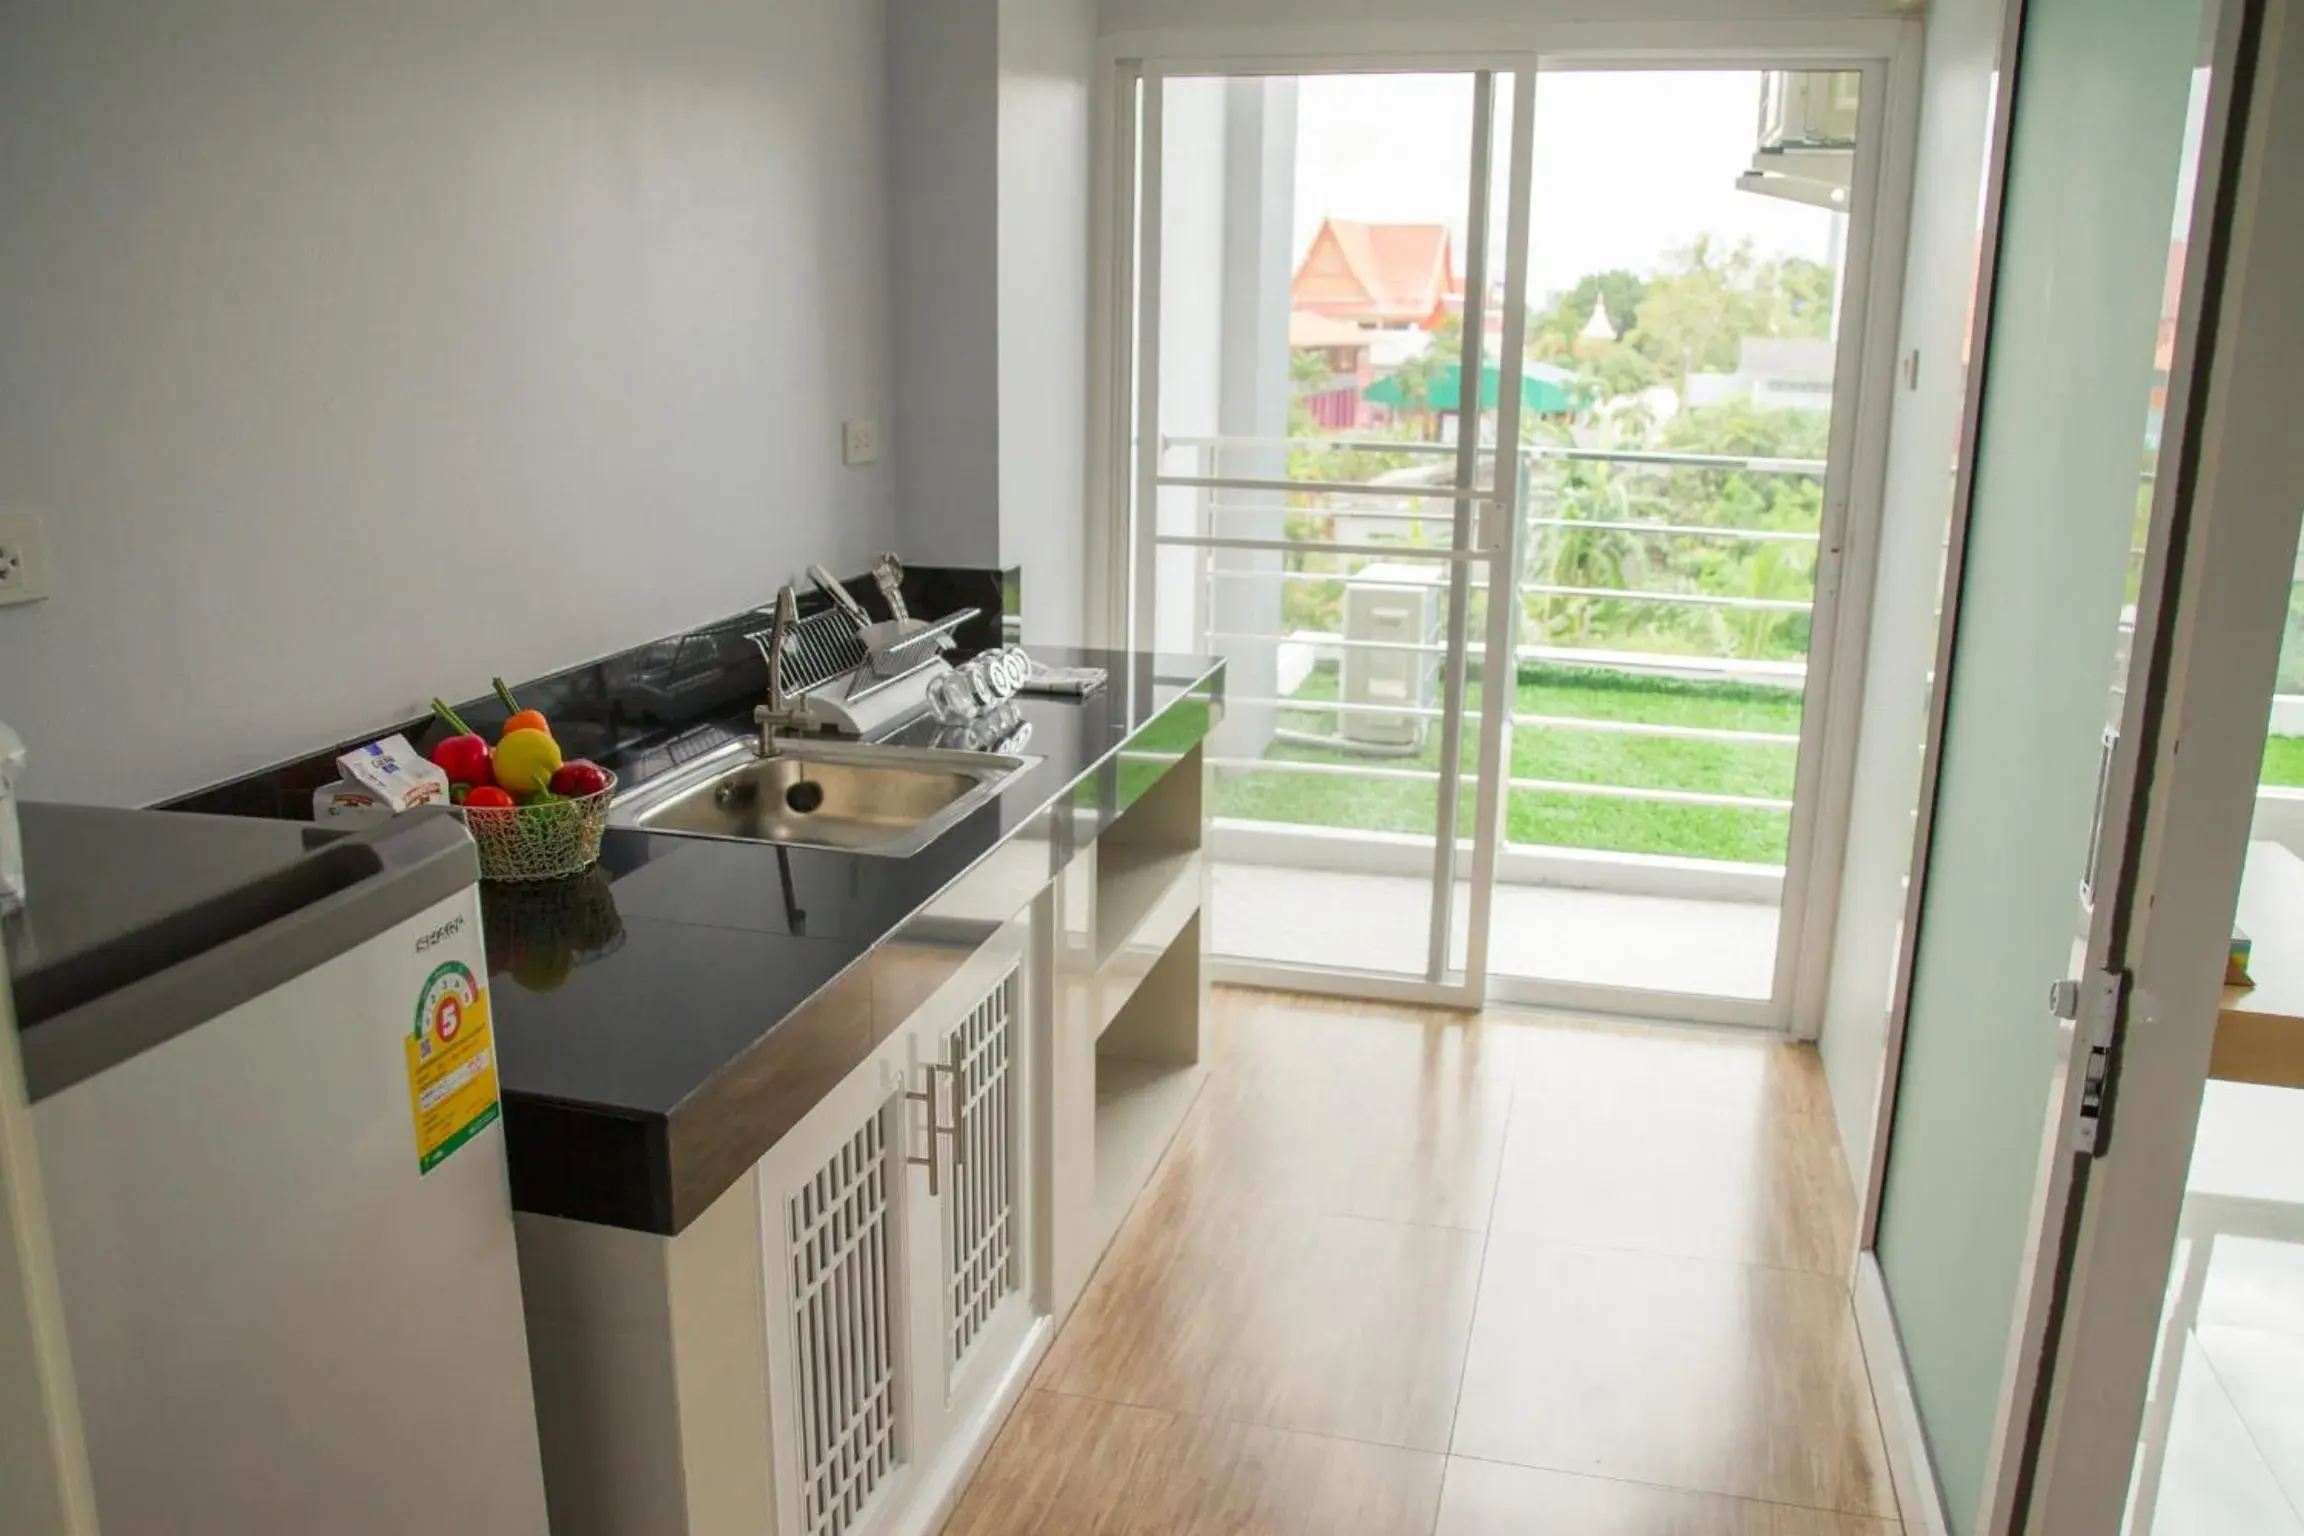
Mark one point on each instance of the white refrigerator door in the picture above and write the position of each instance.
(279, 1320)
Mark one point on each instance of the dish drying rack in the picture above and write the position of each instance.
(876, 659)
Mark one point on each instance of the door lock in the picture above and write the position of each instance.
(2097, 1005)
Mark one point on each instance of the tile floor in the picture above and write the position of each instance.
(1404, 1274)
(1329, 918)
(2230, 1461)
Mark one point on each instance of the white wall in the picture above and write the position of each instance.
(1047, 54)
(1244, 590)
(357, 352)
(1956, 103)
(989, 109)
(1192, 320)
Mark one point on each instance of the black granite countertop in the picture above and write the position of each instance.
(664, 1019)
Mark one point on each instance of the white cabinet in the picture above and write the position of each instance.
(836, 1221)
(828, 1348)
(895, 1223)
(979, 1311)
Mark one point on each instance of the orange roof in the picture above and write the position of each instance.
(1379, 273)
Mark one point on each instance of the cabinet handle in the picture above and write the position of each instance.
(959, 1101)
(927, 1096)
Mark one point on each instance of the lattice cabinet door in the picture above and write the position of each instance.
(835, 1220)
(984, 1270)
(898, 1226)
(981, 1312)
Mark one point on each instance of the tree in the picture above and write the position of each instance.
(1697, 311)
(1748, 430)
(1417, 376)
(1806, 287)
(1553, 332)
(1603, 559)
(1308, 372)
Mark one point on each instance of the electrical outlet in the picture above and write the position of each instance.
(859, 442)
(23, 559)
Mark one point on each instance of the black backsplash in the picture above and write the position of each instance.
(636, 699)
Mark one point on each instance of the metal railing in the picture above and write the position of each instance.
(1366, 509)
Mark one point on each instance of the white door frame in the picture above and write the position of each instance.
(2246, 482)
(44, 1483)
(1887, 53)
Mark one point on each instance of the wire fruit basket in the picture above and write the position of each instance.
(546, 840)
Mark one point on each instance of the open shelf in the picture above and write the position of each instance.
(1139, 1105)
(1132, 880)
(1147, 1072)
(1163, 907)
(1146, 855)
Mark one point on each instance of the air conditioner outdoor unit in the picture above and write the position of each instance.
(1808, 110)
(1399, 605)
(1806, 149)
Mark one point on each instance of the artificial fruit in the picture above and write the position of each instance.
(579, 776)
(526, 759)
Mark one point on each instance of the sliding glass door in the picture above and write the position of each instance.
(1316, 492)
(1691, 251)
(1520, 673)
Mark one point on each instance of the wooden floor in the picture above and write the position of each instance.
(1404, 1273)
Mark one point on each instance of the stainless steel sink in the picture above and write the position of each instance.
(888, 801)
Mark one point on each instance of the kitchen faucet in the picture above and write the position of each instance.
(777, 715)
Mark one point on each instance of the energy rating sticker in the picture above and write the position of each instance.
(451, 1065)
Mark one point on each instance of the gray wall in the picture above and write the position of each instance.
(1047, 55)
(356, 352)
(989, 104)
(943, 148)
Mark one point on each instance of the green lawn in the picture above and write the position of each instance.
(1565, 820)
(2284, 761)
(1583, 821)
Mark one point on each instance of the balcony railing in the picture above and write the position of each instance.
(1693, 716)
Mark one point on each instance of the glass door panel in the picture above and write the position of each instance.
(1311, 251)
(1682, 338)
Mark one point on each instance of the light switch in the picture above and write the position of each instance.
(860, 442)
(23, 559)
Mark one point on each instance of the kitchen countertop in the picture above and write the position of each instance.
(663, 1020)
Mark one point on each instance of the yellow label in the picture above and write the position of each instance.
(451, 1064)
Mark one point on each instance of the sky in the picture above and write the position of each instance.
(1628, 165)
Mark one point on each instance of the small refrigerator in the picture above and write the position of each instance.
(264, 1094)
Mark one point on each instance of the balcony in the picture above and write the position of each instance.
(1659, 637)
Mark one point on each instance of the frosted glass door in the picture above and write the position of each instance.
(2099, 175)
